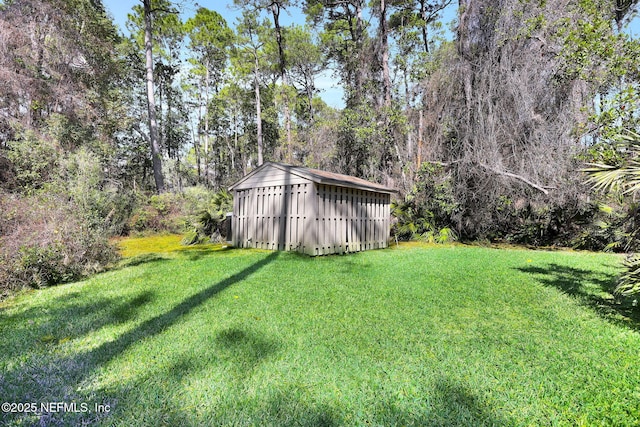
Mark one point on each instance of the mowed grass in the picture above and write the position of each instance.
(405, 336)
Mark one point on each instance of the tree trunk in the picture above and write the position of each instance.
(206, 125)
(258, 111)
(359, 42)
(423, 15)
(420, 136)
(275, 10)
(384, 42)
(156, 156)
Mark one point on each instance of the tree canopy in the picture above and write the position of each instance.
(482, 122)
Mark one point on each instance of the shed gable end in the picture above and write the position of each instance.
(268, 176)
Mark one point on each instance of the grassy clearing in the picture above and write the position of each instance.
(136, 247)
(406, 336)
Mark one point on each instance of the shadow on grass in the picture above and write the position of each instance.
(45, 378)
(40, 327)
(455, 404)
(156, 325)
(592, 289)
(194, 253)
(140, 260)
(244, 349)
(449, 404)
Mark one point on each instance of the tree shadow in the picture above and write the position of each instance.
(291, 406)
(455, 404)
(41, 327)
(244, 349)
(195, 254)
(448, 404)
(156, 325)
(139, 260)
(590, 288)
(60, 378)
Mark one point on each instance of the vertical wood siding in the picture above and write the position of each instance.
(270, 217)
(311, 218)
(350, 220)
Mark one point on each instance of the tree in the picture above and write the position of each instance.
(383, 30)
(156, 155)
(306, 62)
(57, 61)
(210, 41)
(503, 111)
(345, 40)
(623, 177)
(249, 60)
(275, 8)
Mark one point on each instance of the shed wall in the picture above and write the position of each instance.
(271, 217)
(350, 220)
(311, 218)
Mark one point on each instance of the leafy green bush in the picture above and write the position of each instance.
(630, 280)
(158, 213)
(209, 214)
(102, 203)
(426, 213)
(34, 160)
(621, 178)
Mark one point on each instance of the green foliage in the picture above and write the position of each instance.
(34, 160)
(157, 214)
(623, 177)
(629, 284)
(616, 112)
(45, 241)
(610, 228)
(593, 40)
(209, 210)
(366, 138)
(426, 213)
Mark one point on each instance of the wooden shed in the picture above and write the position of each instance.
(283, 207)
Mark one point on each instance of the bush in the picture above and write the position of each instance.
(208, 213)
(157, 214)
(34, 160)
(426, 212)
(44, 242)
(102, 204)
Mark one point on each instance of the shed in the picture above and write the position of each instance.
(282, 207)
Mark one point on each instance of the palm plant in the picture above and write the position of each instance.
(625, 178)
(206, 223)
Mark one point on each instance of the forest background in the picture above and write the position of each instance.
(484, 123)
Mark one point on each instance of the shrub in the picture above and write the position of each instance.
(157, 214)
(426, 212)
(34, 160)
(44, 242)
(208, 215)
(102, 203)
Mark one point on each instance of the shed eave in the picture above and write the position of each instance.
(314, 177)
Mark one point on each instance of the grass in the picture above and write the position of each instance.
(406, 336)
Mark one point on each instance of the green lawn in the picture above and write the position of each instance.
(404, 336)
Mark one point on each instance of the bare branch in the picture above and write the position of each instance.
(518, 177)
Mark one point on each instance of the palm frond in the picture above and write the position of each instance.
(624, 177)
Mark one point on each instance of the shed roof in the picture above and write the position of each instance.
(320, 177)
